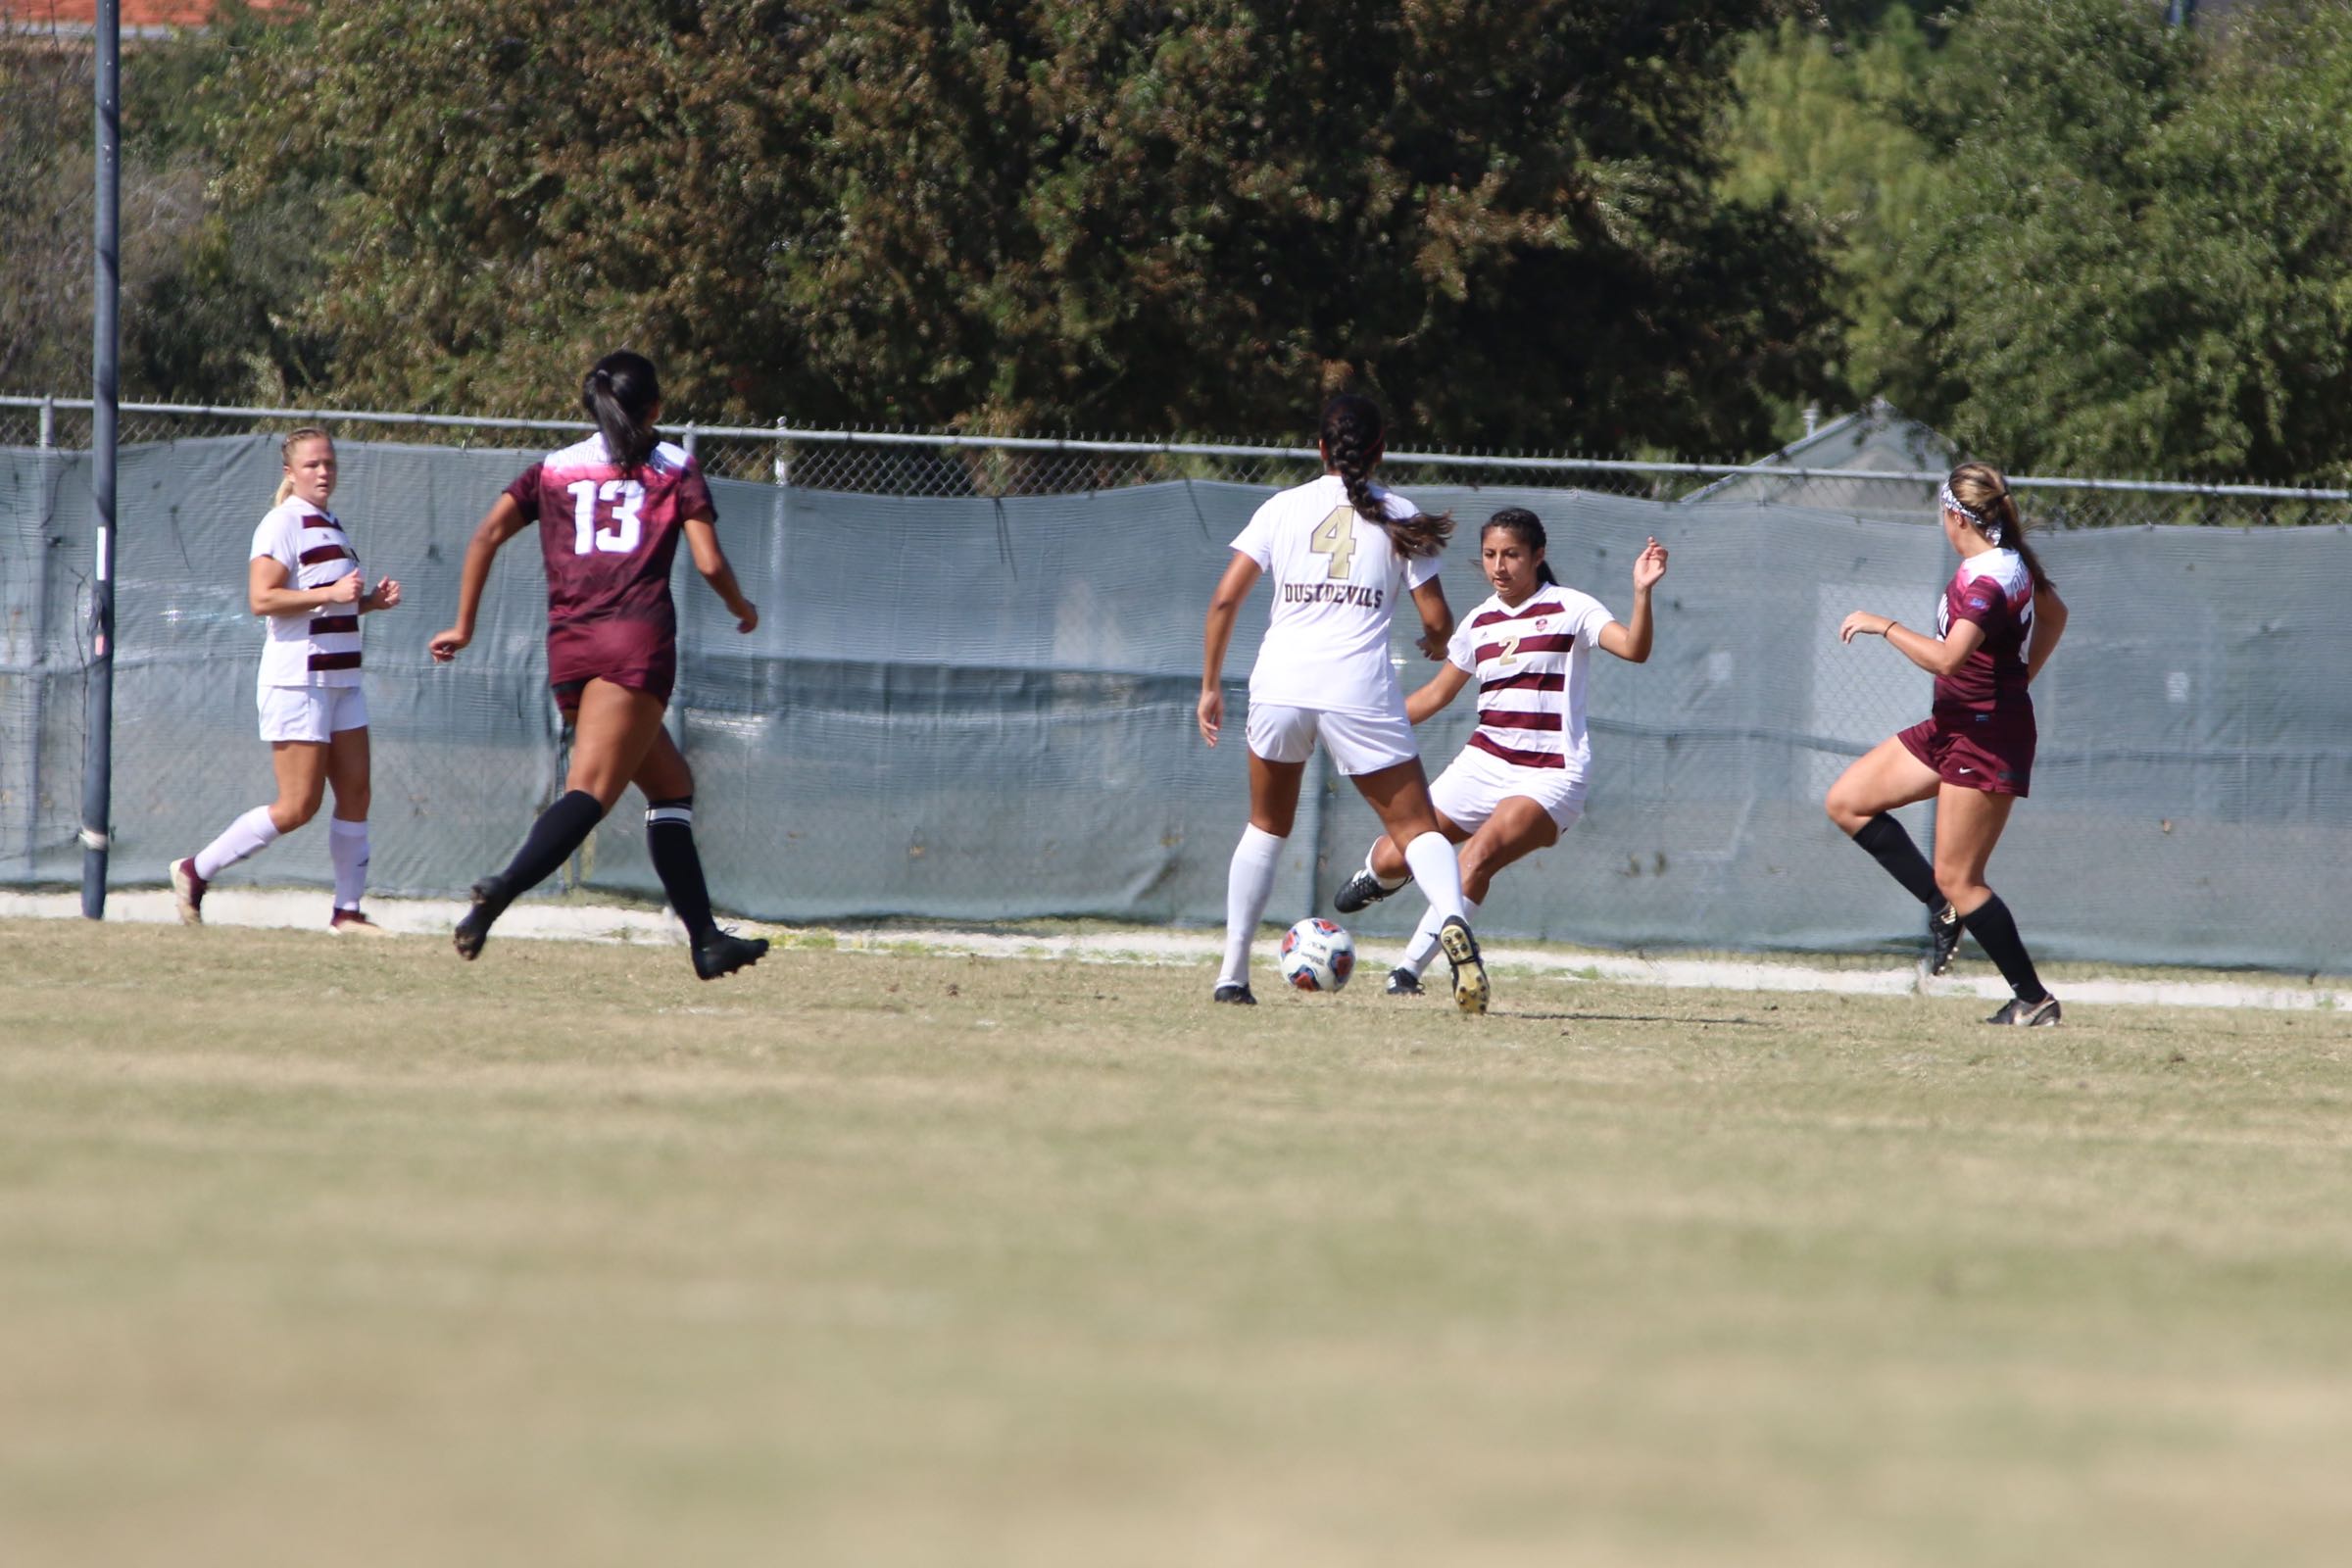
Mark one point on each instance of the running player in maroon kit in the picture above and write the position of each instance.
(1996, 625)
(614, 508)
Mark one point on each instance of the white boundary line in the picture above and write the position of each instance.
(296, 911)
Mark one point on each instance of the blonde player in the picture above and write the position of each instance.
(1520, 782)
(304, 579)
(1341, 552)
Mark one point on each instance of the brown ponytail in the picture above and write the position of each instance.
(1984, 499)
(1351, 433)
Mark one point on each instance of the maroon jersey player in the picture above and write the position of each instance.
(610, 510)
(1996, 625)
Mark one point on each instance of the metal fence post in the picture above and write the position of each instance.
(98, 709)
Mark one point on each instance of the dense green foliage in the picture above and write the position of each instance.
(2071, 236)
(1051, 212)
(2078, 240)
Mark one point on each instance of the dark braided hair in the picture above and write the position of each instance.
(1351, 443)
(1528, 528)
(621, 394)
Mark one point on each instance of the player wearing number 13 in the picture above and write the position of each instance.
(612, 509)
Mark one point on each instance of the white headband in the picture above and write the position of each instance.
(1990, 528)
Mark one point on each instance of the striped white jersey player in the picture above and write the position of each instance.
(1337, 581)
(316, 648)
(1531, 661)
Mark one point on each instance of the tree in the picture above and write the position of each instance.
(1056, 212)
(1819, 124)
(2136, 259)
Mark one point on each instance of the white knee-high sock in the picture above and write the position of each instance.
(1248, 884)
(1432, 861)
(1424, 946)
(1373, 872)
(347, 842)
(247, 835)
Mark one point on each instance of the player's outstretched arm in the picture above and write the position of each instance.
(504, 522)
(1436, 618)
(1442, 688)
(701, 538)
(1216, 635)
(1632, 643)
(1937, 656)
(2049, 624)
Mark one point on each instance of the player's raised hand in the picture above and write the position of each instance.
(1211, 715)
(346, 589)
(444, 645)
(1650, 566)
(386, 594)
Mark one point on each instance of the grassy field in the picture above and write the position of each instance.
(320, 1253)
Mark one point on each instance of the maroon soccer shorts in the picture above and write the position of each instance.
(1989, 752)
(627, 653)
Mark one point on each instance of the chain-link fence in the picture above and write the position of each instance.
(947, 464)
(970, 694)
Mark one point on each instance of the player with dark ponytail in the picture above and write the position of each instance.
(614, 506)
(1997, 623)
(1340, 551)
(1354, 440)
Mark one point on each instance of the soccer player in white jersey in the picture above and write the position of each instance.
(1520, 782)
(304, 579)
(1340, 551)
(1997, 623)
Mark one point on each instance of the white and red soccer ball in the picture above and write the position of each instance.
(1317, 955)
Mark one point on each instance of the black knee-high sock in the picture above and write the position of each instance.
(670, 836)
(1884, 837)
(560, 829)
(1995, 931)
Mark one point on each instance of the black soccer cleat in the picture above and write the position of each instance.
(1360, 892)
(1470, 990)
(2019, 1014)
(489, 903)
(723, 953)
(1239, 996)
(1943, 939)
(1403, 981)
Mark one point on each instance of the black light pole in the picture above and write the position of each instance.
(98, 708)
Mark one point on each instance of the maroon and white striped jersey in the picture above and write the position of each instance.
(316, 647)
(1531, 661)
(607, 537)
(1993, 589)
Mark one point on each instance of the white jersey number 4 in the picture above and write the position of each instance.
(1334, 536)
(626, 497)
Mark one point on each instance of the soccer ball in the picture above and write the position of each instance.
(1317, 956)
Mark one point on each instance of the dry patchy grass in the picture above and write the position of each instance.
(315, 1252)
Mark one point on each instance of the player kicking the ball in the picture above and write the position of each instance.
(1520, 781)
(1341, 551)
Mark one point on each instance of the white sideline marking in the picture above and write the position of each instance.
(296, 911)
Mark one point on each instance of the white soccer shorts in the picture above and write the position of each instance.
(312, 713)
(1476, 782)
(1358, 745)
